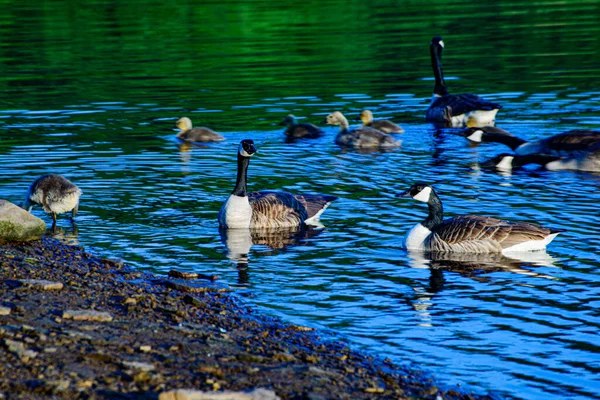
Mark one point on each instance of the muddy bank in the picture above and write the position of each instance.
(76, 326)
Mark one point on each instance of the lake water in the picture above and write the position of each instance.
(92, 91)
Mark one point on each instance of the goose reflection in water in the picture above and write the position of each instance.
(470, 265)
(239, 241)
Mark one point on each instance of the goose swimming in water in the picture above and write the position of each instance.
(55, 193)
(189, 134)
(295, 130)
(470, 233)
(267, 209)
(361, 137)
(588, 161)
(385, 126)
(455, 109)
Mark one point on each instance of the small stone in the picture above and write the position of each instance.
(374, 390)
(183, 394)
(130, 300)
(40, 284)
(19, 349)
(5, 310)
(85, 384)
(287, 357)
(195, 287)
(145, 348)
(142, 366)
(50, 350)
(87, 315)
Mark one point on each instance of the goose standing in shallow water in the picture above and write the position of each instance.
(190, 134)
(470, 233)
(385, 126)
(297, 131)
(267, 209)
(362, 137)
(55, 193)
(455, 109)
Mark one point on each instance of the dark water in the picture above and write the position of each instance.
(92, 91)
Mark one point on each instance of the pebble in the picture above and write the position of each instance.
(5, 310)
(145, 348)
(41, 284)
(142, 366)
(19, 349)
(87, 315)
(183, 394)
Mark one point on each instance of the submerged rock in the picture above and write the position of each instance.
(18, 225)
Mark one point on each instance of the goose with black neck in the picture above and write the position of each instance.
(267, 209)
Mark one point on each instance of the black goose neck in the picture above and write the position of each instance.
(436, 212)
(436, 63)
(242, 172)
(511, 141)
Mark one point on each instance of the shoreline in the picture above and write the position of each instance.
(73, 325)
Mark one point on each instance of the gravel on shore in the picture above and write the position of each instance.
(73, 325)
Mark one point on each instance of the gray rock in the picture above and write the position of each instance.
(18, 225)
(41, 284)
(5, 310)
(182, 394)
(87, 315)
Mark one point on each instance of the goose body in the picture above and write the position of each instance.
(55, 193)
(470, 233)
(578, 161)
(361, 137)
(455, 109)
(295, 130)
(385, 126)
(267, 209)
(189, 134)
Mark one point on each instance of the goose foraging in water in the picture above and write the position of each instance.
(385, 126)
(55, 193)
(470, 233)
(361, 137)
(189, 134)
(267, 209)
(295, 130)
(455, 109)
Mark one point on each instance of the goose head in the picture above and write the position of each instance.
(247, 148)
(502, 162)
(419, 191)
(366, 116)
(290, 119)
(336, 118)
(185, 124)
(474, 134)
(437, 43)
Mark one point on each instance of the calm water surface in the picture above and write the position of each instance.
(93, 91)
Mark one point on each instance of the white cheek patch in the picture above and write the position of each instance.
(423, 195)
(505, 163)
(243, 152)
(476, 136)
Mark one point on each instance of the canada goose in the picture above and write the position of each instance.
(578, 161)
(562, 145)
(295, 130)
(190, 134)
(366, 116)
(469, 233)
(362, 137)
(455, 109)
(55, 193)
(267, 209)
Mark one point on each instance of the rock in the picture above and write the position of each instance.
(18, 225)
(41, 284)
(5, 310)
(183, 394)
(19, 349)
(195, 287)
(142, 366)
(87, 315)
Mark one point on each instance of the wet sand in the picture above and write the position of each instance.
(76, 326)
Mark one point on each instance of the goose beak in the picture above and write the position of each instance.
(252, 149)
(404, 194)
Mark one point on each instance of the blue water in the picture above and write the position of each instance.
(97, 102)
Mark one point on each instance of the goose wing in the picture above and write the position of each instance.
(386, 126)
(575, 140)
(458, 104)
(483, 234)
(314, 204)
(200, 135)
(275, 209)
